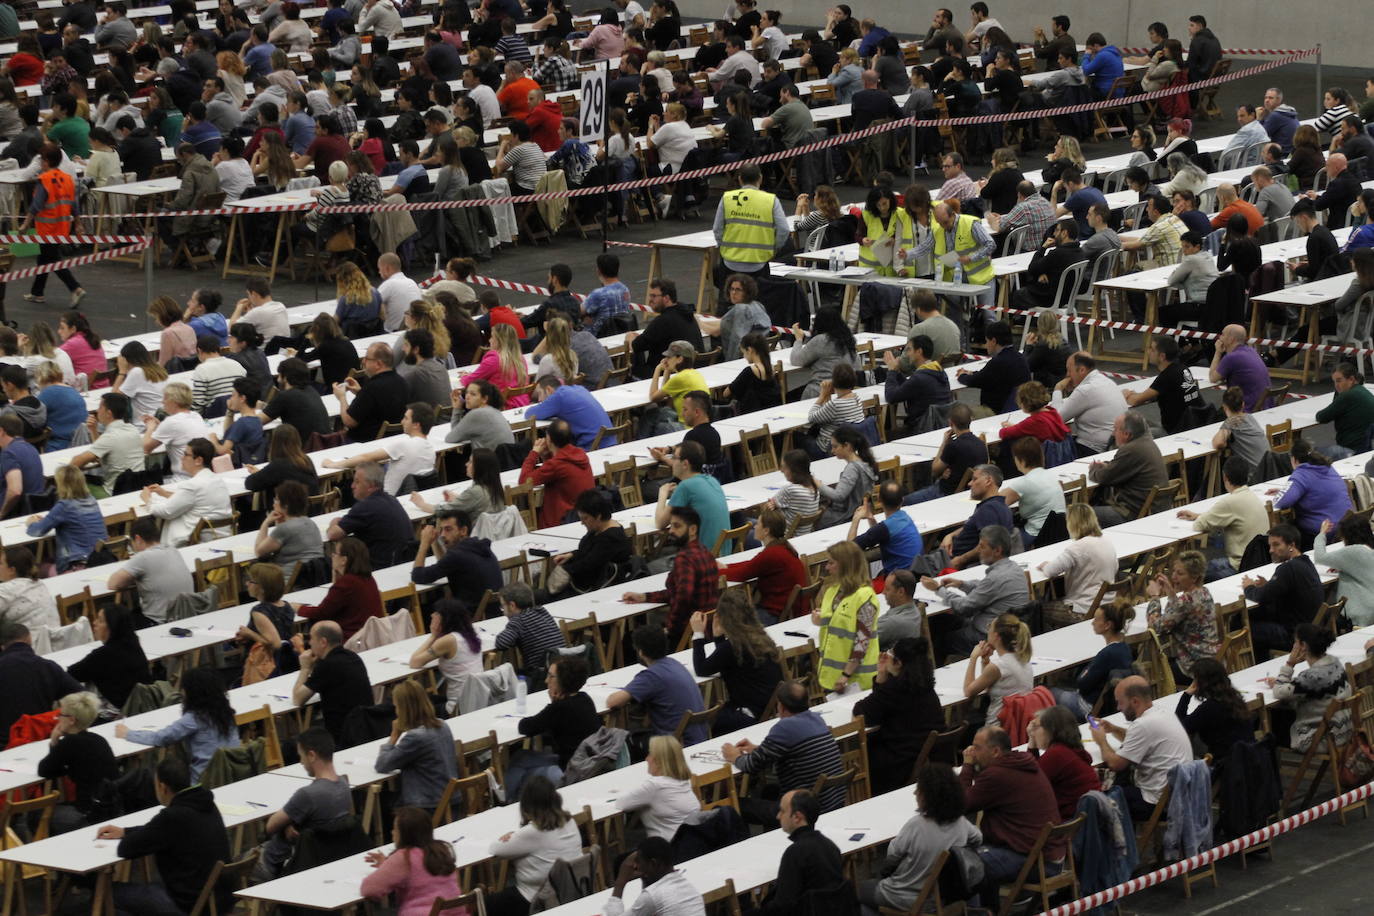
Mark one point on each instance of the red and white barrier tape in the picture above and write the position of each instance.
(731, 167)
(75, 262)
(12, 239)
(1234, 52)
(627, 244)
(1202, 859)
(1188, 333)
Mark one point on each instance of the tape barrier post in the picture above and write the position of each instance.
(1202, 859)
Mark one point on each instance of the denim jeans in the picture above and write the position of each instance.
(925, 494)
(1219, 568)
(1001, 865)
(525, 764)
(1073, 701)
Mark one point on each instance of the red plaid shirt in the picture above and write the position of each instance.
(693, 585)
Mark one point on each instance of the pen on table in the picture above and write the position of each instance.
(257, 804)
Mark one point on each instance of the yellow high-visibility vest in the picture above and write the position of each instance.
(748, 235)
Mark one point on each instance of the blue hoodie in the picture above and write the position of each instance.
(1316, 492)
(1103, 68)
(1281, 124)
(79, 525)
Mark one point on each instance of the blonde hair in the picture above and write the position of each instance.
(413, 707)
(851, 572)
(1014, 636)
(430, 317)
(1072, 151)
(677, 110)
(83, 707)
(71, 483)
(666, 752)
(352, 285)
(507, 347)
(1081, 521)
(179, 393)
(848, 56)
(271, 583)
(1047, 328)
(558, 339)
(465, 135)
(48, 373)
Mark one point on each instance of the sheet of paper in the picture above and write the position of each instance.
(949, 258)
(885, 250)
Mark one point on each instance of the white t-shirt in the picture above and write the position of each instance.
(776, 42)
(663, 804)
(674, 140)
(631, 10)
(1155, 743)
(1039, 494)
(145, 396)
(485, 98)
(235, 177)
(174, 432)
(409, 455)
(397, 291)
(270, 320)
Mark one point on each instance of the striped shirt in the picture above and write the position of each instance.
(513, 47)
(214, 379)
(801, 749)
(525, 165)
(535, 633)
(796, 500)
(831, 414)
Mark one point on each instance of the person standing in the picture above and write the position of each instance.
(53, 213)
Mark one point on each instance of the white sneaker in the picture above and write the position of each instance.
(663, 201)
(212, 246)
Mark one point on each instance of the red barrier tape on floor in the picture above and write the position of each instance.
(1234, 52)
(838, 140)
(1183, 866)
(74, 262)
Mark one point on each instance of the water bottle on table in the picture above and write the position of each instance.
(522, 689)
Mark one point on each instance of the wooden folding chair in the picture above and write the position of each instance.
(15, 874)
(929, 900)
(706, 717)
(587, 632)
(852, 738)
(623, 477)
(733, 536)
(1152, 663)
(1237, 650)
(473, 902)
(468, 753)
(473, 794)
(939, 746)
(72, 607)
(759, 456)
(1034, 876)
(1320, 754)
(723, 901)
(1160, 499)
(716, 789)
(260, 723)
(227, 586)
(234, 873)
(802, 599)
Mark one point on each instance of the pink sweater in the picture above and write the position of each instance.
(490, 368)
(415, 888)
(86, 358)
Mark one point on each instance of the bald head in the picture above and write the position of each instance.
(382, 354)
(1336, 163)
(1233, 334)
(388, 264)
(871, 79)
(944, 215)
(1226, 194)
(327, 633)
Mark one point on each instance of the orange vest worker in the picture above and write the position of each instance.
(56, 216)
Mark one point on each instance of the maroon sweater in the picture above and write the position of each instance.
(1071, 775)
(1016, 801)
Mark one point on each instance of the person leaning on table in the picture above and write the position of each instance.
(664, 891)
(1154, 744)
(186, 838)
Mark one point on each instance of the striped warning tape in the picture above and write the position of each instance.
(1203, 859)
(75, 262)
(779, 156)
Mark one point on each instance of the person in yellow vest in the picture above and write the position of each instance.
(848, 617)
(750, 227)
(886, 223)
(52, 212)
(968, 237)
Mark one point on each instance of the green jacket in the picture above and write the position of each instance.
(1352, 411)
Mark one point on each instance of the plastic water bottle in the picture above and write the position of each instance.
(521, 691)
(958, 273)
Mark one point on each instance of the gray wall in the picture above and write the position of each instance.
(1243, 24)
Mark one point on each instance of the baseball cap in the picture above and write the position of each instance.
(680, 348)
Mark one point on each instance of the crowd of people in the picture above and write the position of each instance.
(237, 385)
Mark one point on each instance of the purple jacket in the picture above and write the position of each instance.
(1315, 492)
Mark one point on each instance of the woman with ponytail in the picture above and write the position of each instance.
(1005, 659)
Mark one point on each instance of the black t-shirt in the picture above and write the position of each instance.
(823, 58)
(1176, 390)
(302, 409)
(1000, 191)
(959, 454)
(383, 399)
(1007, 84)
(744, 25)
(380, 522)
(706, 436)
(340, 679)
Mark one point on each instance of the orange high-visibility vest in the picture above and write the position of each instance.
(56, 216)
